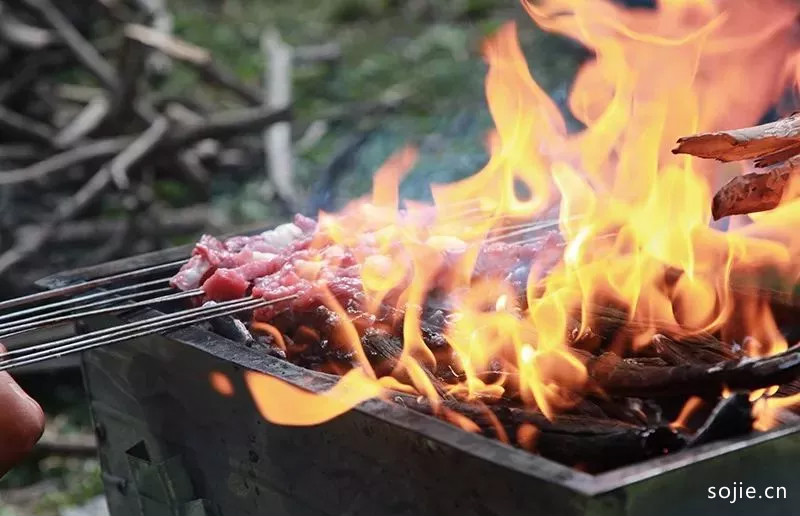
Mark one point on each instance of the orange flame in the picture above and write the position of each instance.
(634, 219)
(285, 404)
(221, 383)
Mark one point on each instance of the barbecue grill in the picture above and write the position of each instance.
(172, 444)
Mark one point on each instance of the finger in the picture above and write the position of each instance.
(21, 422)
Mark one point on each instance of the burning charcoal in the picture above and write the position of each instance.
(230, 327)
(732, 417)
(598, 443)
(267, 342)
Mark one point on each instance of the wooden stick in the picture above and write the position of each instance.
(751, 193)
(86, 121)
(226, 124)
(767, 144)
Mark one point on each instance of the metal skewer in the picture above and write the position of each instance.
(79, 343)
(81, 287)
(75, 300)
(47, 320)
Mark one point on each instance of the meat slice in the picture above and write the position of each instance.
(226, 284)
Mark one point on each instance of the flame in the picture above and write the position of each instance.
(691, 406)
(766, 410)
(221, 383)
(284, 404)
(634, 219)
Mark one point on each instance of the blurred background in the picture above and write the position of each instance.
(133, 125)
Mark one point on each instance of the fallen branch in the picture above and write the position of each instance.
(133, 154)
(176, 221)
(102, 149)
(83, 123)
(199, 58)
(229, 123)
(19, 34)
(767, 144)
(83, 445)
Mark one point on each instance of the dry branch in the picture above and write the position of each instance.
(101, 149)
(197, 57)
(767, 144)
(227, 124)
(139, 149)
(86, 121)
(17, 33)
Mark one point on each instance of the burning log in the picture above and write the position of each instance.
(596, 443)
(629, 377)
(751, 193)
(733, 416)
(767, 144)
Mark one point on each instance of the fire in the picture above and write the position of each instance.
(633, 219)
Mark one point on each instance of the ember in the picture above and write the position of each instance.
(624, 334)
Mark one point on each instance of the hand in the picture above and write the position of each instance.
(21, 422)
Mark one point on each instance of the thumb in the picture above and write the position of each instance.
(21, 422)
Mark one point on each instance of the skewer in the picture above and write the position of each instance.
(23, 326)
(73, 300)
(83, 287)
(79, 343)
(520, 229)
(100, 302)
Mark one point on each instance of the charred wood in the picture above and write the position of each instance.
(627, 377)
(599, 444)
(732, 417)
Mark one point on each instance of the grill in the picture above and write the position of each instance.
(172, 444)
